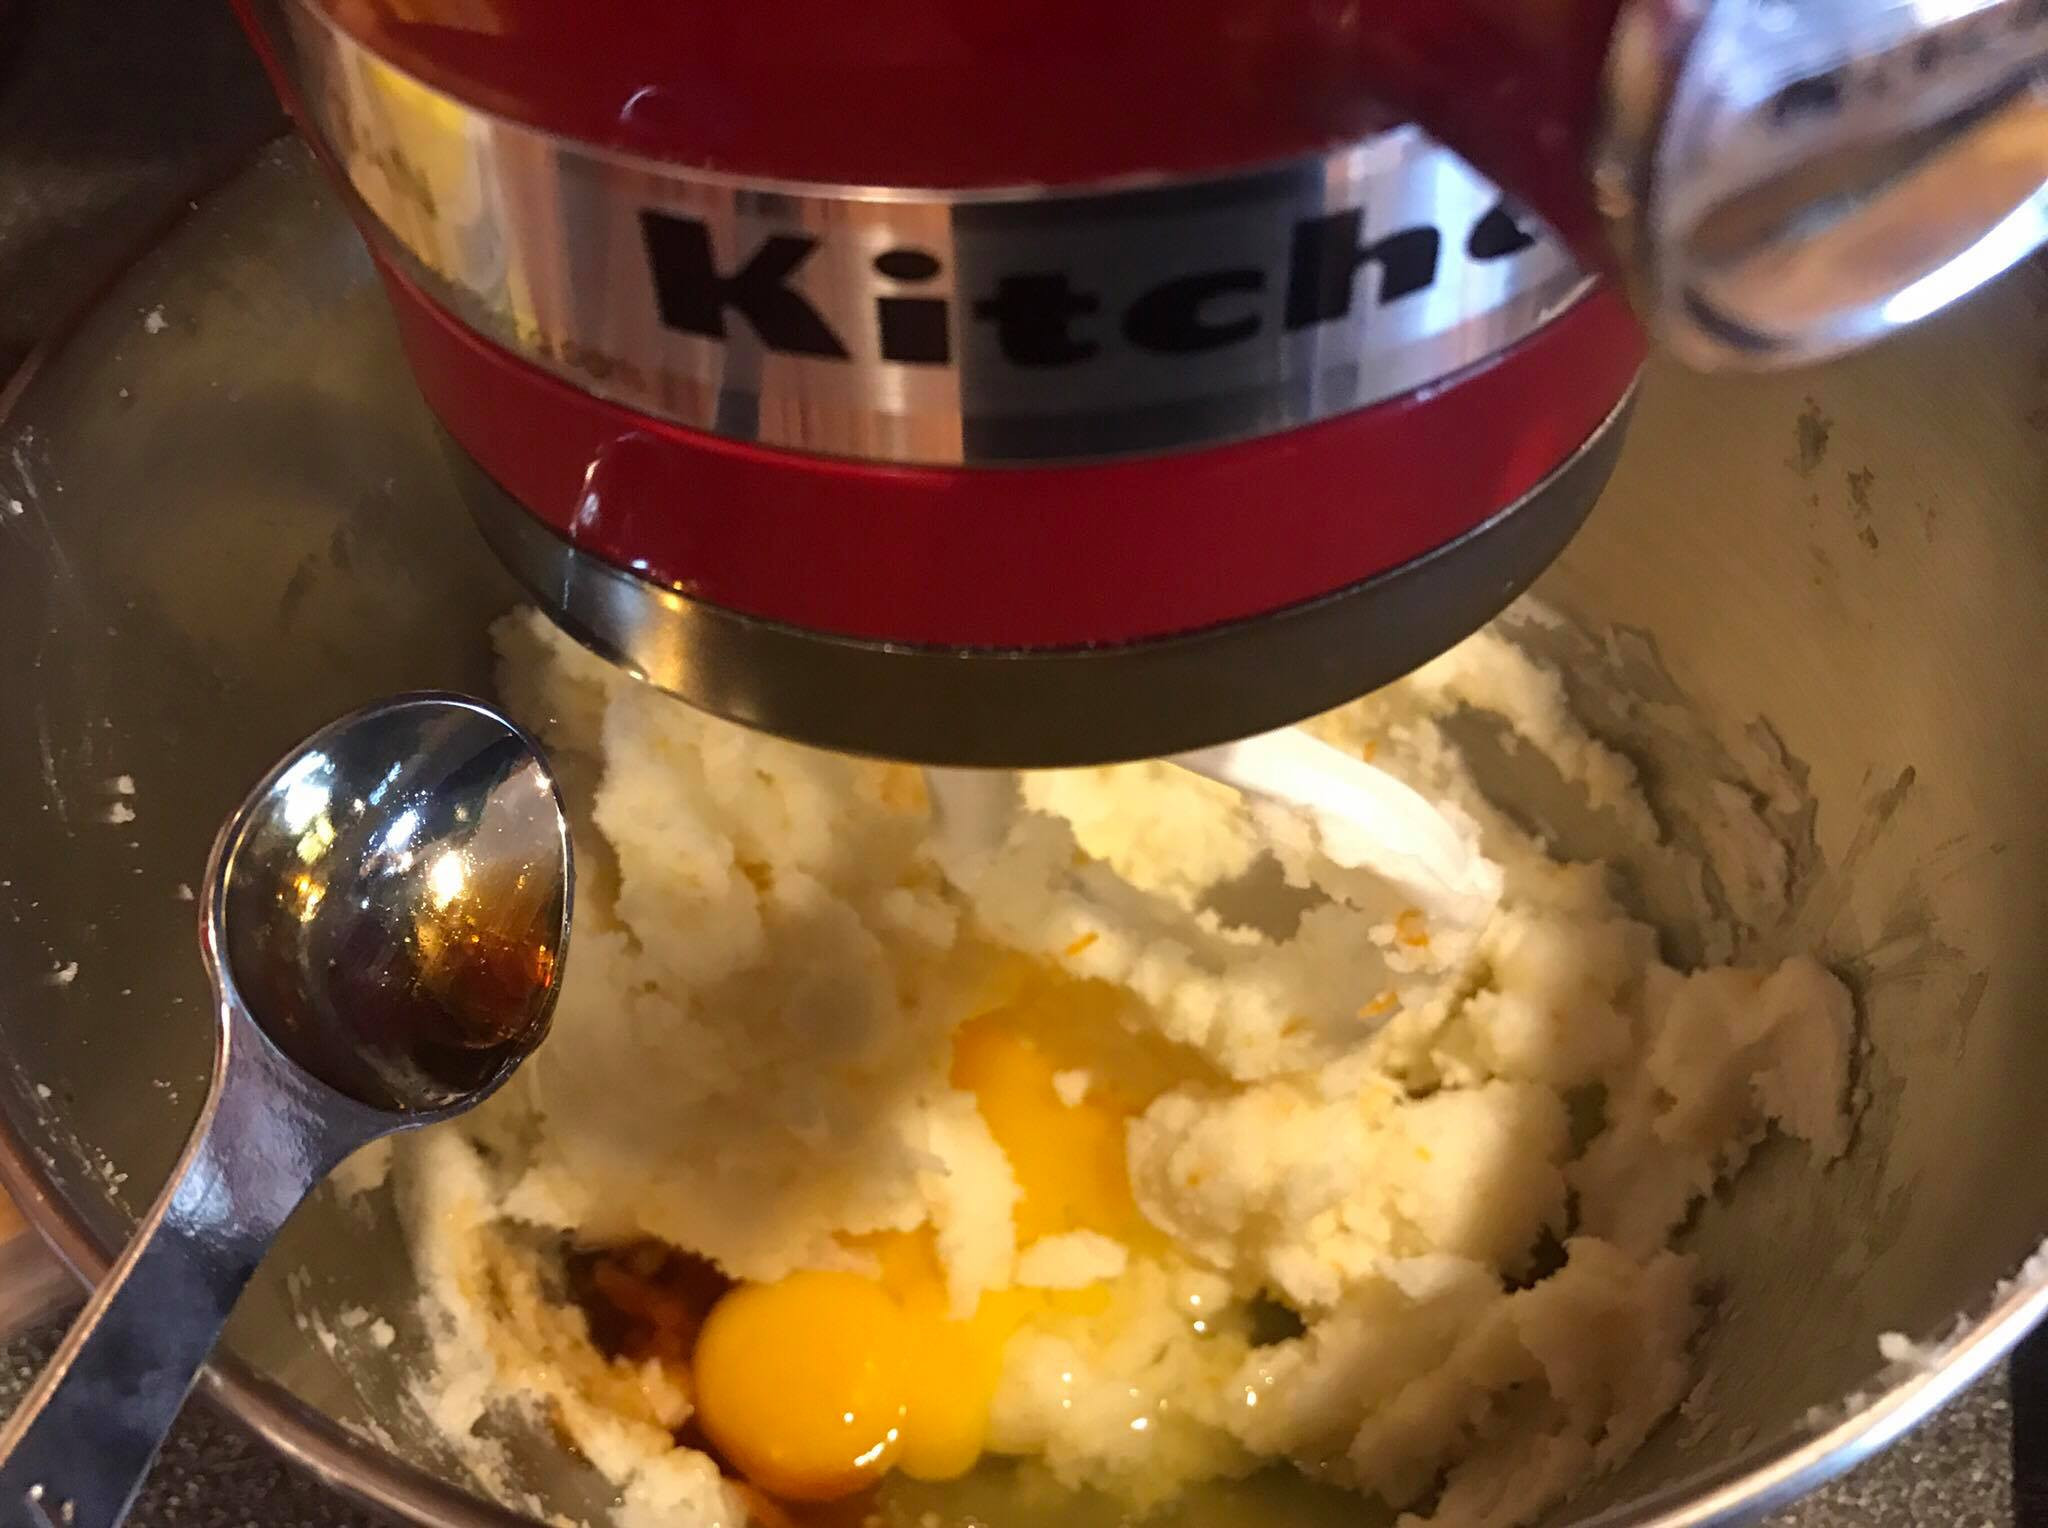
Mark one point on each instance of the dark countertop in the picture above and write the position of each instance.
(112, 113)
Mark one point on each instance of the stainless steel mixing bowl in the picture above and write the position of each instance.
(224, 519)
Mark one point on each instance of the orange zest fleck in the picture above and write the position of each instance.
(1081, 944)
(1383, 1004)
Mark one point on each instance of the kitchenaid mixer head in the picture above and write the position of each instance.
(1056, 383)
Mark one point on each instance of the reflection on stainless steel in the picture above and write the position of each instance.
(414, 963)
(911, 325)
(1855, 555)
(357, 995)
(1789, 181)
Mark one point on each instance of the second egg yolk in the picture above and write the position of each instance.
(1069, 1161)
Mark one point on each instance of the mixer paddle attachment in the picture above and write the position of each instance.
(1356, 815)
(1392, 877)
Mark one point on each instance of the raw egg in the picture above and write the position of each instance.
(818, 1384)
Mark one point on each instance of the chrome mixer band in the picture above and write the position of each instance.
(938, 327)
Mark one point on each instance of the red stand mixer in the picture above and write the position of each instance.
(1048, 382)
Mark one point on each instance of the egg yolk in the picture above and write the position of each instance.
(1069, 1162)
(804, 1383)
(816, 1385)
(1069, 1159)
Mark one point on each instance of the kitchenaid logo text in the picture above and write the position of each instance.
(1051, 316)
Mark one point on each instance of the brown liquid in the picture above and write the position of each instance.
(415, 1016)
(646, 1300)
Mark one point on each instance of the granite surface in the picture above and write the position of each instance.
(112, 114)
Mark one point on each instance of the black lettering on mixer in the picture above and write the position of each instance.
(1034, 316)
(1498, 234)
(1327, 254)
(694, 296)
(1179, 317)
(914, 330)
(1047, 318)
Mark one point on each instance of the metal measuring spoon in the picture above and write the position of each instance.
(384, 924)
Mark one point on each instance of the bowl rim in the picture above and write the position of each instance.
(1830, 1440)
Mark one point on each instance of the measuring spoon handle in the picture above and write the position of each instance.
(77, 1451)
